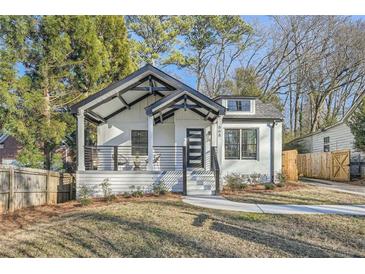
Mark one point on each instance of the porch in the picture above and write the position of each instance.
(126, 167)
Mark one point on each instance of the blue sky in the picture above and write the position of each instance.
(190, 79)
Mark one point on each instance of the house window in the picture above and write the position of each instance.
(139, 142)
(248, 143)
(239, 105)
(240, 144)
(326, 144)
(232, 143)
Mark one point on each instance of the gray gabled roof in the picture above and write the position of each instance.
(145, 69)
(207, 101)
(262, 110)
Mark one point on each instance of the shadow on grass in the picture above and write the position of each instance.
(105, 234)
(293, 247)
(80, 240)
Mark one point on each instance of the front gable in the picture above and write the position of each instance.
(123, 95)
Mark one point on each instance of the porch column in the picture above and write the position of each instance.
(150, 141)
(80, 141)
(220, 139)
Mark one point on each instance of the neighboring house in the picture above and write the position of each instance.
(9, 148)
(335, 137)
(153, 128)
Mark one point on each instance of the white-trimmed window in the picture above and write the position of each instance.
(326, 144)
(239, 105)
(240, 144)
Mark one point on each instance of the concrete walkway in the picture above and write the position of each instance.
(218, 202)
(341, 187)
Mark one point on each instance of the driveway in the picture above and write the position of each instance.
(218, 202)
(342, 187)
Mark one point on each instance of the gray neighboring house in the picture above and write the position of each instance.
(335, 137)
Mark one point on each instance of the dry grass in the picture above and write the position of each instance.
(165, 227)
(293, 193)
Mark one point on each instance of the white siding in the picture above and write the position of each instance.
(118, 129)
(122, 181)
(262, 164)
(340, 138)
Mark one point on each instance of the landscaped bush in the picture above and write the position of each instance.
(281, 179)
(136, 191)
(107, 190)
(160, 188)
(269, 186)
(127, 194)
(235, 182)
(85, 193)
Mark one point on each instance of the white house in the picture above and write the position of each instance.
(151, 128)
(335, 137)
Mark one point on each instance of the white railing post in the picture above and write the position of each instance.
(220, 139)
(80, 141)
(150, 141)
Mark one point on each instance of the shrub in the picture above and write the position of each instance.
(127, 194)
(280, 184)
(160, 188)
(107, 190)
(234, 181)
(269, 186)
(85, 193)
(281, 178)
(136, 192)
(255, 178)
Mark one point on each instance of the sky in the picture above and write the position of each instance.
(189, 78)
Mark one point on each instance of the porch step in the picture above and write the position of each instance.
(200, 192)
(200, 182)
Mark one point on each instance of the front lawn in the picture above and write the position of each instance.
(293, 193)
(166, 227)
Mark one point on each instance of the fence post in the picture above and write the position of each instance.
(71, 187)
(185, 189)
(48, 190)
(11, 200)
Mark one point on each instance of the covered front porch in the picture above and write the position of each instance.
(155, 128)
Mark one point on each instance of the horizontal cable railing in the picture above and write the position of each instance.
(133, 158)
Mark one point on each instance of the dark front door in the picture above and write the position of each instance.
(195, 147)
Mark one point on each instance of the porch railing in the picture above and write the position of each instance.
(215, 167)
(134, 158)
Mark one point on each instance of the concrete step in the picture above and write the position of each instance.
(200, 192)
(199, 187)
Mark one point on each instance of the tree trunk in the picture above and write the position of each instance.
(47, 115)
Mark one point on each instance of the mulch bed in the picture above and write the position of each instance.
(260, 188)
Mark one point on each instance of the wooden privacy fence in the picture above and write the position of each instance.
(289, 165)
(25, 187)
(325, 165)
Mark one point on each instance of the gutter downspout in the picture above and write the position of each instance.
(272, 152)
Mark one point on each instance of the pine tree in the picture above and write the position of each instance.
(65, 58)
